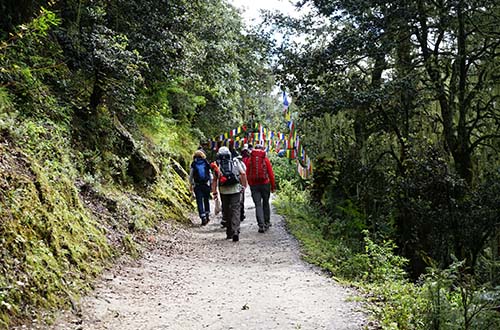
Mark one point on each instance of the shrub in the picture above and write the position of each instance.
(442, 300)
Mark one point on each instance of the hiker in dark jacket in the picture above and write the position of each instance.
(260, 178)
(200, 182)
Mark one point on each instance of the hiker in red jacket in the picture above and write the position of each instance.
(260, 177)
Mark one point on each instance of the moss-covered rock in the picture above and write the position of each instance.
(50, 244)
(59, 226)
(140, 166)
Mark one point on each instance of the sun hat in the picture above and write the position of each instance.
(223, 151)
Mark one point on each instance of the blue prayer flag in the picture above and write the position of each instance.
(285, 100)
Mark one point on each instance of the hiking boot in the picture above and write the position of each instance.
(261, 229)
(204, 221)
(236, 238)
(207, 219)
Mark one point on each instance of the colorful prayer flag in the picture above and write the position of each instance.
(285, 101)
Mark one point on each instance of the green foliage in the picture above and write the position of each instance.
(5, 101)
(192, 55)
(305, 224)
(457, 301)
(441, 300)
(16, 12)
(399, 305)
(168, 134)
(328, 135)
(383, 265)
(309, 225)
(325, 175)
(285, 171)
(111, 67)
(375, 99)
(50, 244)
(29, 58)
(349, 220)
(68, 203)
(442, 215)
(232, 66)
(172, 100)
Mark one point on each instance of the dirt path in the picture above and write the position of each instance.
(199, 280)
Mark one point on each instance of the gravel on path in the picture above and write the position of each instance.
(193, 278)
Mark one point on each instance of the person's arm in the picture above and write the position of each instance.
(270, 173)
(243, 179)
(215, 179)
(214, 189)
(210, 175)
(191, 179)
(243, 165)
(243, 174)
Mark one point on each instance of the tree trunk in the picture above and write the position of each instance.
(462, 154)
(456, 135)
(97, 93)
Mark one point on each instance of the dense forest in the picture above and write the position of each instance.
(399, 106)
(103, 102)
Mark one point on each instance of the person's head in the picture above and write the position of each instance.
(223, 151)
(199, 154)
(259, 147)
(245, 152)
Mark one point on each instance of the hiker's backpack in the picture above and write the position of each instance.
(229, 174)
(257, 168)
(201, 171)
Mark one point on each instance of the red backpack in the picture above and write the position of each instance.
(257, 169)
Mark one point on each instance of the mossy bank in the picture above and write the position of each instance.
(59, 227)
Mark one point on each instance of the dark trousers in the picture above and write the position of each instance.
(260, 196)
(231, 213)
(242, 205)
(202, 193)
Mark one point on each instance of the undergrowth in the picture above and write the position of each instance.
(68, 207)
(440, 300)
(50, 243)
(95, 137)
(59, 228)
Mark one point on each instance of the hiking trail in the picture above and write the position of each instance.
(193, 278)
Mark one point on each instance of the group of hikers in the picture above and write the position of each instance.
(228, 177)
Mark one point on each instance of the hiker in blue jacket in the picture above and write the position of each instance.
(200, 182)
